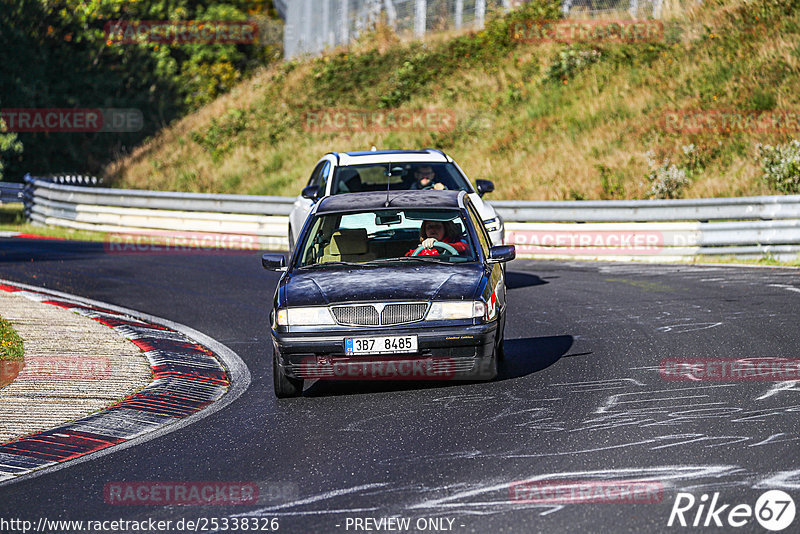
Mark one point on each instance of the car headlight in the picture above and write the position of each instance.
(456, 309)
(318, 315)
(493, 225)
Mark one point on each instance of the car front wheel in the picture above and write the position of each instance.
(501, 342)
(285, 386)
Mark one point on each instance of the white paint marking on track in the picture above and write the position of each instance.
(786, 287)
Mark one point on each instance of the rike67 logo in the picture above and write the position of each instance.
(774, 510)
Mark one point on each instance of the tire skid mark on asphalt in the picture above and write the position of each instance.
(187, 377)
(787, 480)
(325, 496)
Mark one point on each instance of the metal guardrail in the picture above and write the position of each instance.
(134, 198)
(691, 209)
(656, 230)
(10, 192)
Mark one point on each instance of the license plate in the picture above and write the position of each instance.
(380, 345)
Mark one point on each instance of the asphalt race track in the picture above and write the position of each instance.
(580, 398)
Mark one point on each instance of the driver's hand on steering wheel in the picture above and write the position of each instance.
(428, 242)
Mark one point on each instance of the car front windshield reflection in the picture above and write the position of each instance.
(387, 235)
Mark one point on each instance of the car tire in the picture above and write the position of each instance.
(285, 386)
(501, 350)
(501, 343)
(291, 238)
(491, 371)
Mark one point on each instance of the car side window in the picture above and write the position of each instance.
(480, 229)
(323, 178)
(314, 180)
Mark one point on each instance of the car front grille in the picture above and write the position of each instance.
(356, 315)
(390, 314)
(403, 313)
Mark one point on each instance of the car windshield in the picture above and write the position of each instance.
(386, 235)
(397, 177)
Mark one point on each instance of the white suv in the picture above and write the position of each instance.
(391, 170)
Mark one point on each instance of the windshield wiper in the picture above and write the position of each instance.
(326, 263)
(412, 258)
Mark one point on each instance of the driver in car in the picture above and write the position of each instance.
(425, 178)
(443, 231)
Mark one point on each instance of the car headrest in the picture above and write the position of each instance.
(352, 241)
(350, 181)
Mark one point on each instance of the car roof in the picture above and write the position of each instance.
(366, 157)
(397, 199)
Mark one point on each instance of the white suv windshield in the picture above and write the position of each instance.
(386, 235)
(398, 176)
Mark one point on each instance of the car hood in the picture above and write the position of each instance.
(405, 281)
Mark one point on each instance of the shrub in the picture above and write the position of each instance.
(10, 343)
(9, 144)
(667, 180)
(570, 62)
(781, 165)
(220, 136)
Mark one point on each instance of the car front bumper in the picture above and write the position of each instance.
(444, 353)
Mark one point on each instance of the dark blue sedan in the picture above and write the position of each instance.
(394, 285)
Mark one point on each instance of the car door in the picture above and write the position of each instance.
(302, 206)
(496, 285)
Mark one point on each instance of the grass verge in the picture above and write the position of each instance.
(12, 219)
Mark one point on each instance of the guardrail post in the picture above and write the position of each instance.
(420, 14)
(345, 20)
(391, 14)
(27, 195)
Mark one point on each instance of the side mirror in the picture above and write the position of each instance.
(274, 262)
(311, 192)
(484, 186)
(502, 253)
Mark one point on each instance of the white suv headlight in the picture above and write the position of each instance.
(456, 309)
(317, 315)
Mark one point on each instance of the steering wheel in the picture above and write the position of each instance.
(437, 244)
